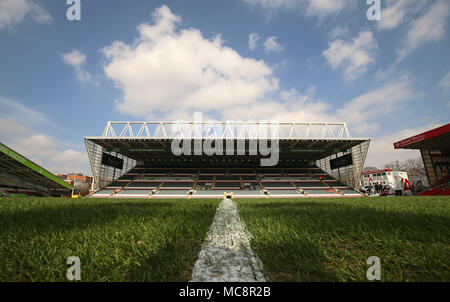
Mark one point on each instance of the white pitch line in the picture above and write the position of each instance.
(226, 254)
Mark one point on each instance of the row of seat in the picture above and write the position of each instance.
(229, 171)
(267, 184)
(106, 193)
(138, 183)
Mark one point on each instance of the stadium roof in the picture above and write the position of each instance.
(18, 171)
(435, 139)
(308, 141)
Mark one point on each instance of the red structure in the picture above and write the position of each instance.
(434, 146)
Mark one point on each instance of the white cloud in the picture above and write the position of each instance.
(10, 129)
(363, 113)
(311, 92)
(381, 149)
(253, 39)
(26, 115)
(291, 106)
(37, 147)
(428, 28)
(384, 74)
(74, 58)
(167, 69)
(323, 8)
(77, 60)
(48, 153)
(169, 73)
(17, 130)
(366, 110)
(338, 32)
(397, 12)
(319, 8)
(445, 82)
(42, 149)
(271, 45)
(13, 12)
(354, 56)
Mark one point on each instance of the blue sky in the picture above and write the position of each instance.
(308, 60)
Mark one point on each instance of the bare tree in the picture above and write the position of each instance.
(367, 169)
(394, 165)
(415, 169)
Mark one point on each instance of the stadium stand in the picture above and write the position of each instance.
(170, 194)
(279, 185)
(285, 194)
(248, 194)
(132, 194)
(213, 186)
(20, 176)
(434, 146)
(312, 162)
(207, 194)
(176, 185)
(311, 185)
(103, 193)
(441, 188)
(321, 193)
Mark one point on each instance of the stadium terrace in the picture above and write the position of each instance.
(145, 160)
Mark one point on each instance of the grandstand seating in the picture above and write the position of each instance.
(445, 192)
(278, 185)
(442, 188)
(241, 172)
(248, 194)
(117, 185)
(132, 194)
(128, 176)
(227, 185)
(103, 193)
(311, 184)
(206, 177)
(143, 182)
(217, 172)
(285, 194)
(184, 172)
(321, 193)
(18, 192)
(269, 172)
(228, 178)
(249, 177)
(171, 194)
(350, 193)
(336, 184)
(207, 194)
(177, 185)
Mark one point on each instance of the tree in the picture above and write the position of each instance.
(395, 165)
(415, 169)
(367, 169)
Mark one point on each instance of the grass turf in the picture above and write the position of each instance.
(115, 239)
(159, 240)
(331, 239)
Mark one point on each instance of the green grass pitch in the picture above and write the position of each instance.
(330, 239)
(159, 240)
(115, 239)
